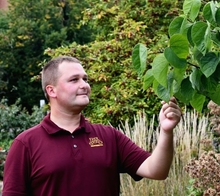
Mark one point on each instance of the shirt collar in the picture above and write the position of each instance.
(52, 128)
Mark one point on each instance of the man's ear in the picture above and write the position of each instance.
(51, 91)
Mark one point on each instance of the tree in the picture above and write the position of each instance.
(189, 67)
(32, 27)
(116, 89)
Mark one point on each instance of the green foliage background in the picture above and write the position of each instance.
(28, 28)
(189, 67)
(116, 89)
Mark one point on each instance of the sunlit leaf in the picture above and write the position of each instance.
(209, 11)
(178, 74)
(179, 45)
(160, 68)
(191, 8)
(148, 79)
(139, 56)
(200, 37)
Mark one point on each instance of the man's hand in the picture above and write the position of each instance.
(170, 115)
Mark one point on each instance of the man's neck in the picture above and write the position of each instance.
(67, 121)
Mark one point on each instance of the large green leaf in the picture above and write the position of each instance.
(160, 68)
(209, 12)
(179, 45)
(173, 59)
(208, 84)
(195, 78)
(148, 79)
(162, 92)
(175, 26)
(198, 101)
(178, 75)
(208, 63)
(187, 90)
(215, 95)
(191, 8)
(200, 36)
(139, 56)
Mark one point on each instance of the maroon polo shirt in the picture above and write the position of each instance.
(46, 160)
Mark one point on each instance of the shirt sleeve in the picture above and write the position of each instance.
(131, 156)
(16, 171)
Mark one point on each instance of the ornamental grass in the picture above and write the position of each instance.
(192, 137)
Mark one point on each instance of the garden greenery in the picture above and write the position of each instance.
(14, 120)
(116, 90)
(189, 67)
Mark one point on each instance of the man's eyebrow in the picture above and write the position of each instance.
(78, 75)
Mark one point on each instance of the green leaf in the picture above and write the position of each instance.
(162, 92)
(189, 36)
(186, 90)
(179, 25)
(178, 74)
(160, 68)
(195, 78)
(198, 101)
(173, 59)
(148, 79)
(208, 84)
(175, 26)
(191, 8)
(209, 12)
(217, 16)
(201, 36)
(214, 96)
(208, 63)
(139, 56)
(179, 45)
(215, 36)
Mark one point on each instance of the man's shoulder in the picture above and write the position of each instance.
(32, 131)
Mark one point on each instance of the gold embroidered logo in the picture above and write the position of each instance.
(95, 142)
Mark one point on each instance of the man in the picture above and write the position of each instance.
(65, 155)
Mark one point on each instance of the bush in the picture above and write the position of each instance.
(14, 120)
(205, 172)
(215, 124)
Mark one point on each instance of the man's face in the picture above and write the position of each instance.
(72, 89)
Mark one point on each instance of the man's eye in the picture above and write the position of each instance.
(74, 79)
(85, 79)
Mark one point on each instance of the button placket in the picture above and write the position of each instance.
(74, 145)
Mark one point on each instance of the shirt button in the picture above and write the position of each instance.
(72, 136)
(75, 146)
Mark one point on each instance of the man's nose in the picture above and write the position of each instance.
(83, 83)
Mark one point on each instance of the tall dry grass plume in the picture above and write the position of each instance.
(192, 138)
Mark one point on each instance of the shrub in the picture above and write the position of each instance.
(215, 124)
(14, 120)
(206, 173)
